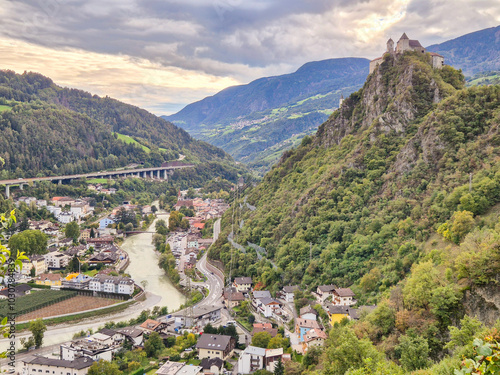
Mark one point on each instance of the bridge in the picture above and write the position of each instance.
(160, 172)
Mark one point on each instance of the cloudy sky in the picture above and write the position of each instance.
(164, 54)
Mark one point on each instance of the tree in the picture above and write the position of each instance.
(278, 341)
(92, 233)
(279, 369)
(418, 289)
(129, 227)
(153, 345)
(72, 230)
(29, 242)
(161, 227)
(414, 351)
(37, 328)
(104, 368)
(461, 223)
(346, 351)
(261, 339)
(27, 343)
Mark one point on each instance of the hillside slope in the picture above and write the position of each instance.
(48, 129)
(257, 121)
(367, 190)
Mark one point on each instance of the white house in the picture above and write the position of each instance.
(254, 358)
(288, 292)
(38, 365)
(55, 259)
(87, 347)
(112, 284)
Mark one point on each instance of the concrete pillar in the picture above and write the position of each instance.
(151, 174)
(21, 186)
(144, 174)
(7, 191)
(158, 174)
(165, 175)
(59, 182)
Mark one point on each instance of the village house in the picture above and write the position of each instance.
(313, 337)
(103, 223)
(243, 284)
(264, 327)
(19, 291)
(56, 260)
(232, 297)
(200, 317)
(268, 307)
(134, 335)
(343, 297)
(151, 325)
(176, 368)
(288, 292)
(307, 312)
(49, 279)
(212, 366)
(37, 364)
(302, 326)
(215, 346)
(254, 358)
(86, 348)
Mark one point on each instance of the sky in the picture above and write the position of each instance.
(164, 54)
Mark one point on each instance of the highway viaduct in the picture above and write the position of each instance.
(157, 172)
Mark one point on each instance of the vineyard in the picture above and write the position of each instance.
(34, 301)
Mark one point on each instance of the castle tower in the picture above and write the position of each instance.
(403, 44)
(341, 100)
(390, 45)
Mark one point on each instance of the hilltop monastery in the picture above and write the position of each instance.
(406, 44)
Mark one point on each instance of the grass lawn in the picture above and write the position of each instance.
(5, 108)
(153, 371)
(91, 273)
(128, 139)
(245, 323)
(194, 362)
(97, 181)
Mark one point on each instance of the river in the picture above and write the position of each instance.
(143, 266)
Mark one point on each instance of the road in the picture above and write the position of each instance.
(214, 283)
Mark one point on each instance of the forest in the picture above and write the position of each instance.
(49, 130)
(397, 198)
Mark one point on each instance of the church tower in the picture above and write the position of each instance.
(341, 100)
(390, 45)
(403, 44)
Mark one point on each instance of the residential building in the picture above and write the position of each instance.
(289, 292)
(56, 260)
(103, 223)
(243, 284)
(212, 366)
(38, 263)
(151, 325)
(112, 284)
(254, 358)
(79, 281)
(259, 294)
(264, 327)
(324, 291)
(307, 312)
(200, 318)
(232, 297)
(302, 326)
(50, 279)
(85, 234)
(134, 335)
(268, 306)
(18, 291)
(86, 348)
(336, 313)
(215, 346)
(343, 297)
(313, 337)
(169, 368)
(37, 364)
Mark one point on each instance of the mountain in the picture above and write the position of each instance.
(257, 121)
(473, 53)
(396, 196)
(48, 129)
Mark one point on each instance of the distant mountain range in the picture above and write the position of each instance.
(256, 122)
(473, 53)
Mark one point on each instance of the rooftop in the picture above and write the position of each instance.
(220, 342)
(77, 363)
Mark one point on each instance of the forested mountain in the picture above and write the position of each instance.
(48, 129)
(257, 121)
(473, 53)
(396, 196)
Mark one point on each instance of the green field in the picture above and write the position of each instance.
(97, 181)
(34, 301)
(128, 139)
(5, 108)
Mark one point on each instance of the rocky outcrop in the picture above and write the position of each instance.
(483, 302)
(401, 89)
